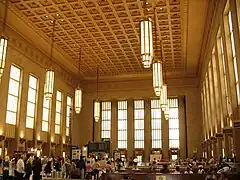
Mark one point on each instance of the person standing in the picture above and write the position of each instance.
(28, 167)
(11, 169)
(37, 168)
(20, 168)
(81, 165)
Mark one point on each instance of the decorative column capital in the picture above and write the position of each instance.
(227, 130)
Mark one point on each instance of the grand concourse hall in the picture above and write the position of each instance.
(151, 76)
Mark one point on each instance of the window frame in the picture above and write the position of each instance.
(17, 96)
(34, 103)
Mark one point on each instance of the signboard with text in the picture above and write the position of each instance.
(161, 178)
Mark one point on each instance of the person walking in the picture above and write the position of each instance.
(20, 168)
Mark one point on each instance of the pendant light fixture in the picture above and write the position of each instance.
(97, 102)
(157, 65)
(146, 39)
(49, 76)
(3, 42)
(164, 98)
(78, 90)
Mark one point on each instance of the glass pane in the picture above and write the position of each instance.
(57, 118)
(155, 103)
(58, 107)
(139, 114)
(12, 103)
(11, 118)
(138, 104)
(30, 109)
(67, 122)
(59, 96)
(156, 113)
(122, 114)
(30, 122)
(31, 95)
(173, 113)
(173, 123)
(156, 134)
(69, 101)
(138, 124)
(44, 126)
(174, 143)
(13, 87)
(106, 105)
(173, 134)
(122, 125)
(106, 125)
(68, 111)
(45, 114)
(15, 73)
(46, 103)
(57, 129)
(67, 131)
(33, 82)
(106, 115)
(156, 124)
(139, 135)
(122, 135)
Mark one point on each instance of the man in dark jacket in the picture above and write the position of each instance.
(28, 167)
(37, 168)
(81, 165)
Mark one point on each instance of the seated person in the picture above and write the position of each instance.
(200, 169)
(211, 175)
(177, 170)
(165, 169)
(188, 171)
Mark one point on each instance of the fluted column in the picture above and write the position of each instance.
(130, 128)
(165, 137)
(147, 130)
(114, 126)
(21, 121)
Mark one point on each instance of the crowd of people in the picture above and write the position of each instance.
(214, 170)
(25, 167)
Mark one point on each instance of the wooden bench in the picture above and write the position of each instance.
(155, 176)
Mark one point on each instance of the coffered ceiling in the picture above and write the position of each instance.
(107, 31)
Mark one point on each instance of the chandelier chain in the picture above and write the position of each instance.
(5, 17)
(79, 61)
(53, 34)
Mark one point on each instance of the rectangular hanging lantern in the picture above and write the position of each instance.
(164, 101)
(78, 100)
(96, 111)
(49, 84)
(157, 78)
(3, 52)
(146, 42)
